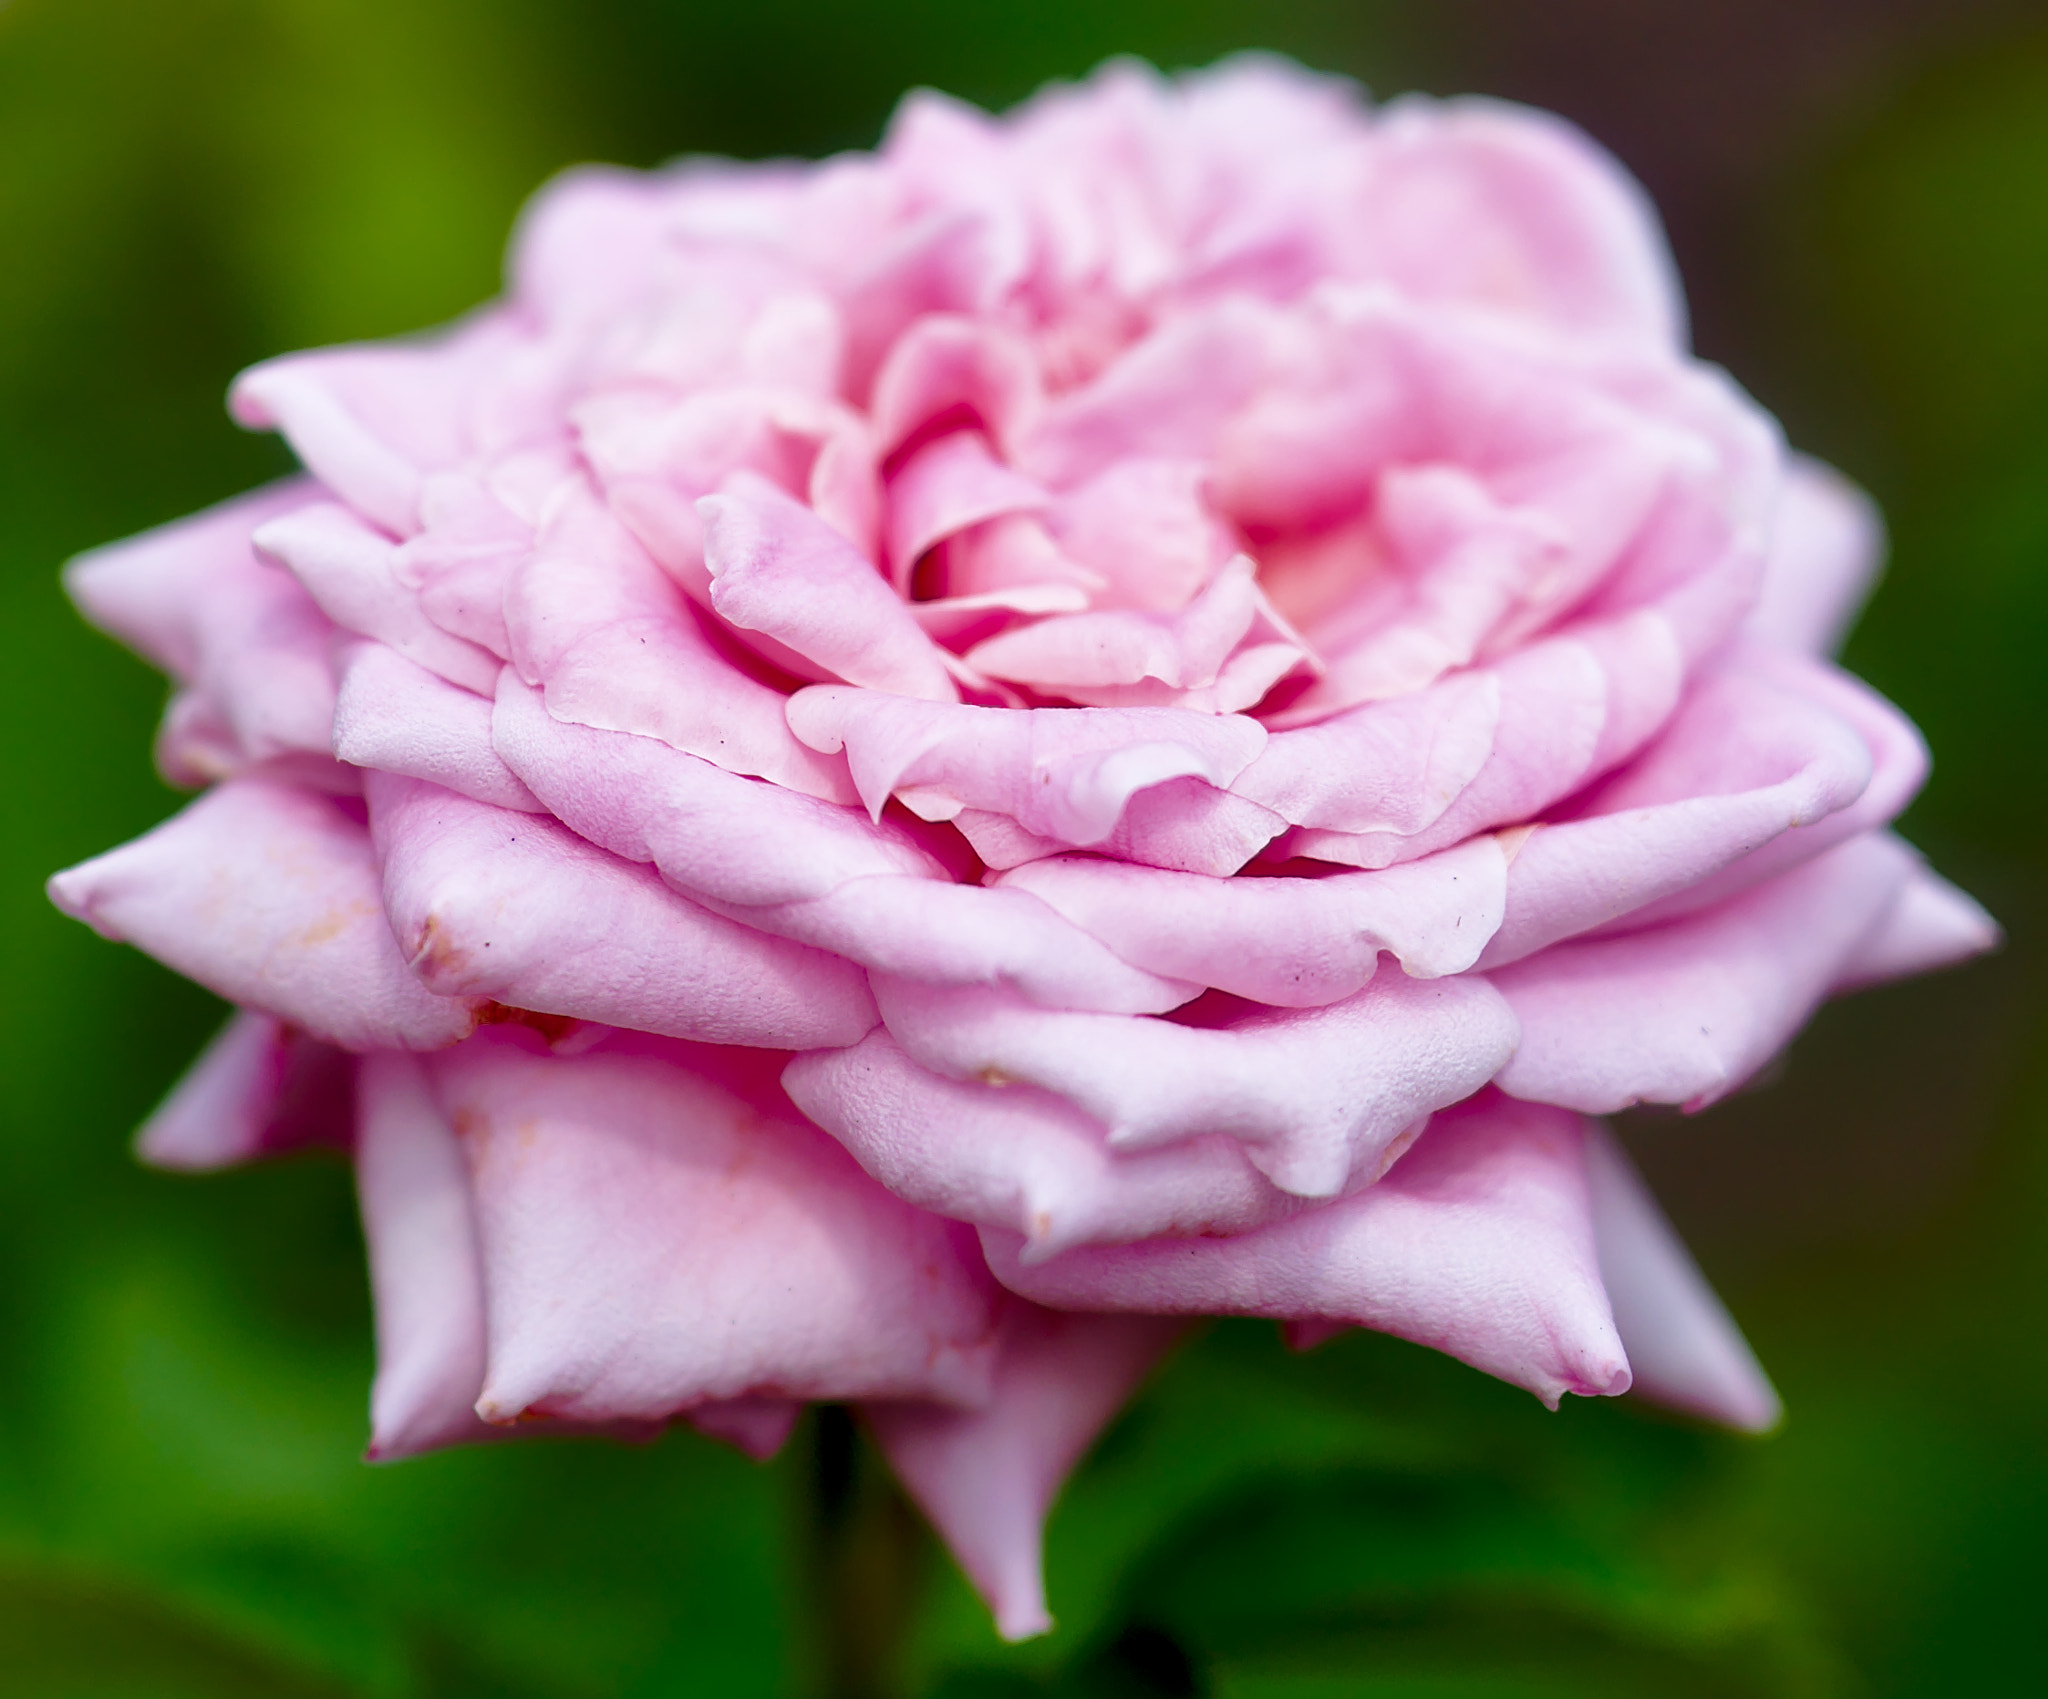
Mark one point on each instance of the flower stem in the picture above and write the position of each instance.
(866, 1560)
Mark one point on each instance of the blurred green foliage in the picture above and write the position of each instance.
(184, 189)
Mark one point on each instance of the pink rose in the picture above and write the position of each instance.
(894, 775)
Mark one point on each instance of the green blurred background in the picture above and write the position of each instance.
(1858, 191)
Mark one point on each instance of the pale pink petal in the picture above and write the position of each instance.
(711, 832)
(350, 569)
(1826, 548)
(1683, 1346)
(614, 646)
(1321, 1099)
(1930, 925)
(963, 936)
(945, 365)
(1505, 207)
(1479, 1242)
(490, 903)
(400, 718)
(243, 637)
(424, 1270)
(1061, 773)
(1147, 527)
(987, 1477)
(950, 484)
(268, 896)
(1686, 1011)
(1744, 761)
(1894, 755)
(1290, 942)
(779, 569)
(259, 1088)
(627, 1202)
(1015, 1157)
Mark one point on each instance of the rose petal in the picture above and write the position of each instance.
(1683, 1347)
(400, 718)
(490, 903)
(1290, 942)
(1930, 925)
(1479, 1243)
(351, 571)
(987, 1477)
(268, 896)
(424, 1270)
(1319, 1098)
(627, 1202)
(1826, 549)
(259, 1088)
(1014, 1157)
(779, 569)
(1686, 1011)
(1061, 773)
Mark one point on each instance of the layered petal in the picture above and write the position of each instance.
(627, 1202)
(1686, 1011)
(268, 896)
(987, 1477)
(1683, 1347)
(1321, 1099)
(1479, 1242)
(490, 903)
(258, 1089)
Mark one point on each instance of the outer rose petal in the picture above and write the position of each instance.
(1479, 1242)
(399, 718)
(268, 897)
(1514, 209)
(1321, 1098)
(1745, 761)
(1826, 549)
(628, 1201)
(257, 1089)
(245, 640)
(987, 1477)
(1930, 925)
(1685, 1012)
(490, 903)
(1683, 1346)
(1022, 1159)
(424, 1269)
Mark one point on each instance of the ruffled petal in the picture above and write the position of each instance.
(1289, 942)
(399, 718)
(987, 1477)
(779, 569)
(1683, 1346)
(1060, 773)
(424, 1270)
(1015, 1157)
(628, 1200)
(490, 903)
(268, 896)
(245, 640)
(711, 832)
(1686, 1011)
(258, 1089)
(1479, 1242)
(1826, 549)
(1321, 1099)
(351, 570)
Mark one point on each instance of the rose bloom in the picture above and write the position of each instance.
(894, 776)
